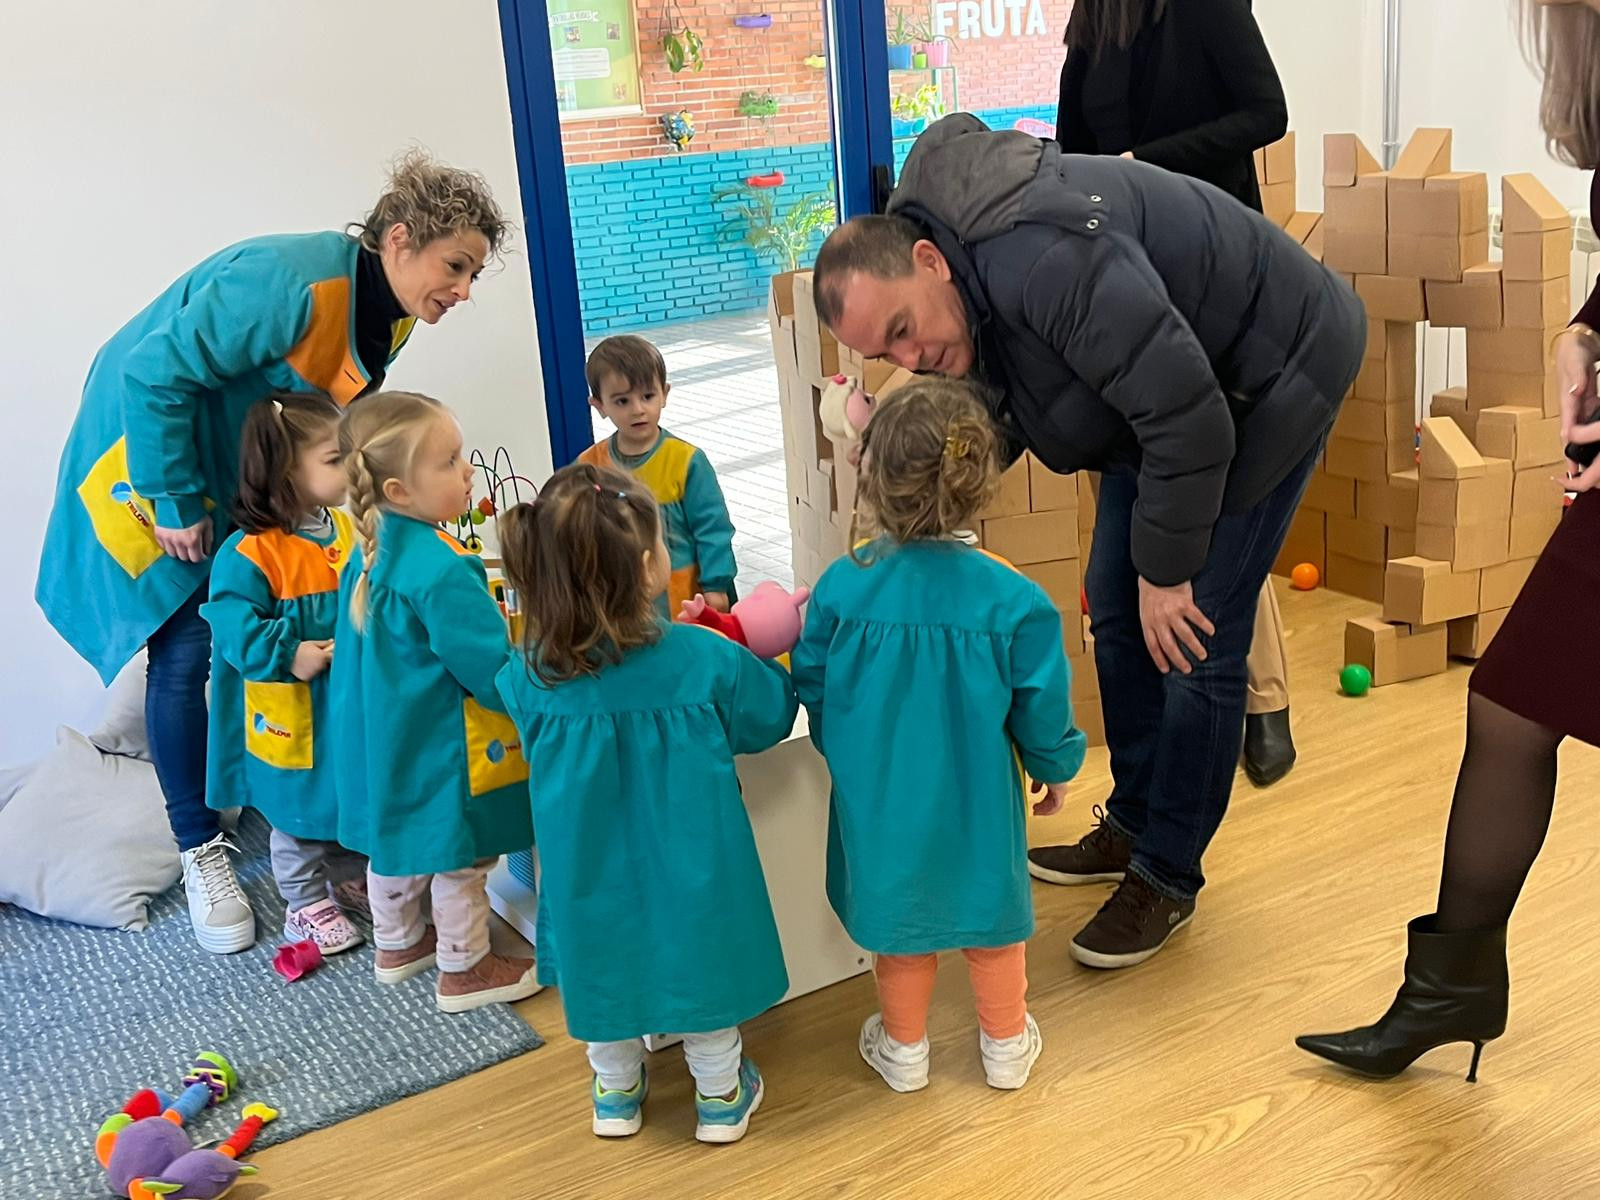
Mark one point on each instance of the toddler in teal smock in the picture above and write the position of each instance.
(432, 781)
(272, 609)
(653, 909)
(934, 674)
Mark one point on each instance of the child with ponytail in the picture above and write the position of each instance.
(432, 780)
(934, 675)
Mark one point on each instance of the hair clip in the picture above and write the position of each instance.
(277, 407)
(955, 447)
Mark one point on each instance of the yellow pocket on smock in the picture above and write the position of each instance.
(277, 724)
(124, 521)
(494, 751)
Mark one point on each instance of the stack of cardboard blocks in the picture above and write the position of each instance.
(1275, 173)
(1036, 520)
(1442, 533)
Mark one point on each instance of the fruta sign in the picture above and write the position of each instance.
(970, 19)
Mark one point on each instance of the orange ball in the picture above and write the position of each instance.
(1305, 577)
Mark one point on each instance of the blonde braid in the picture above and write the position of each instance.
(364, 512)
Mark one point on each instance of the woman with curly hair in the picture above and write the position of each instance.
(150, 470)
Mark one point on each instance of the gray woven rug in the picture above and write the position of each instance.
(89, 1016)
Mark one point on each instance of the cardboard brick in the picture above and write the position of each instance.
(1494, 389)
(1049, 492)
(880, 373)
(1425, 155)
(1446, 205)
(1537, 255)
(1509, 351)
(1391, 340)
(1361, 208)
(1277, 202)
(1437, 257)
(1470, 636)
(1465, 547)
(1530, 532)
(1306, 541)
(1391, 502)
(1395, 653)
(1527, 206)
(1521, 434)
(1356, 460)
(1375, 421)
(1364, 541)
(1479, 500)
(1279, 158)
(888, 385)
(1421, 591)
(1502, 582)
(1537, 303)
(1062, 581)
(1313, 243)
(1259, 157)
(1352, 577)
(1453, 403)
(1345, 159)
(1402, 543)
(1392, 297)
(1473, 303)
(1393, 375)
(1447, 453)
(1013, 499)
(1360, 251)
(1330, 494)
(1031, 538)
(1536, 490)
(1302, 225)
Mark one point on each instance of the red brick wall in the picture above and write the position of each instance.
(1004, 71)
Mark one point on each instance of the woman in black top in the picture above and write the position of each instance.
(1187, 85)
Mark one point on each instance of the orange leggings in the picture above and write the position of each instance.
(999, 981)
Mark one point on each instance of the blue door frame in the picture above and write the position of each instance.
(863, 152)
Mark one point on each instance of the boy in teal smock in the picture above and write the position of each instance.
(628, 386)
(934, 675)
(653, 909)
(273, 607)
(432, 780)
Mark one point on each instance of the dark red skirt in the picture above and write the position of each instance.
(1544, 662)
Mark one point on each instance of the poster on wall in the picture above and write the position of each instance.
(595, 50)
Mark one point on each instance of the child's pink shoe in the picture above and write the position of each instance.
(323, 923)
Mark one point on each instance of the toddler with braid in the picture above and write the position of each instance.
(432, 781)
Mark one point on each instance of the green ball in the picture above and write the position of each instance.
(477, 517)
(1355, 680)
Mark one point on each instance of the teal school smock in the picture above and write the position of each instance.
(653, 909)
(156, 438)
(698, 531)
(430, 771)
(269, 745)
(928, 676)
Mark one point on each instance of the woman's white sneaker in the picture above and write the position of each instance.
(218, 908)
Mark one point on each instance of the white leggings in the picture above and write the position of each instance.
(460, 912)
(713, 1061)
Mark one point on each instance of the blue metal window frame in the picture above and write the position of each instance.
(862, 144)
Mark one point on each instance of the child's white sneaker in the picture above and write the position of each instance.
(903, 1067)
(1007, 1061)
(218, 908)
(323, 923)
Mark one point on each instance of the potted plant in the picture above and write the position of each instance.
(900, 43)
(684, 48)
(921, 34)
(786, 237)
(913, 110)
(938, 51)
(758, 104)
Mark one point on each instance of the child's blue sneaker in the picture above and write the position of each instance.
(620, 1114)
(726, 1120)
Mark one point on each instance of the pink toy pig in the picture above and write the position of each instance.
(767, 621)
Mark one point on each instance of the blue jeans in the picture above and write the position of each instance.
(175, 717)
(1175, 739)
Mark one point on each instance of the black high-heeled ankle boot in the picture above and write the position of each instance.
(1456, 989)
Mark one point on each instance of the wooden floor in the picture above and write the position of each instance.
(1175, 1080)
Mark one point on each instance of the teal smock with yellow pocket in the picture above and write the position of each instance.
(430, 770)
(933, 677)
(156, 438)
(696, 527)
(653, 908)
(270, 746)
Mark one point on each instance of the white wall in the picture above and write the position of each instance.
(138, 138)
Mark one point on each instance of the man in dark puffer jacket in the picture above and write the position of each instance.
(1148, 326)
